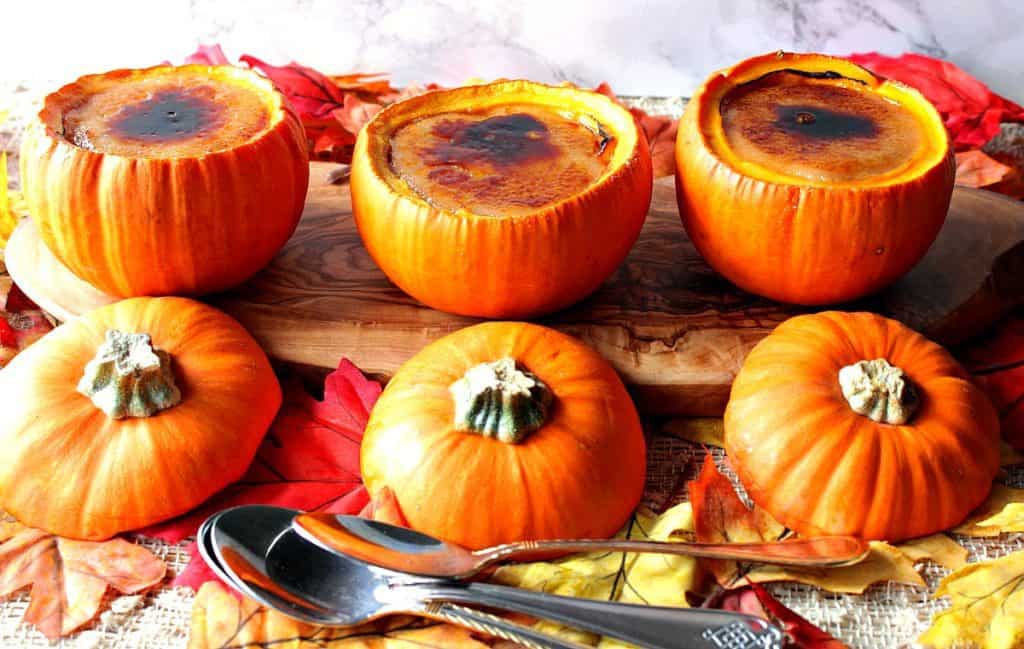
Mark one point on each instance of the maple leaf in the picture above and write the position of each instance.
(976, 169)
(1002, 511)
(660, 131)
(208, 55)
(997, 362)
(972, 113)
(221, 620)
(661, 580)
(68, 578)
(721, 516)
(986, 606)
(754, 599)
(309, 459)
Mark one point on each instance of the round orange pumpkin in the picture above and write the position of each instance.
(807, 179)
(129, 415)
(510, 199)
(507, 431)
(851, 423)
(168, 180)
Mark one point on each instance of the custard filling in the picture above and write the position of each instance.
(821, 127)
(504, 160)
(183, 114)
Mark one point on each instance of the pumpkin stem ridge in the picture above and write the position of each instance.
(129, 377)
(879, 391)
(500, 400)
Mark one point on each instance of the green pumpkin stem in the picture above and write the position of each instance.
(500, 400)
(129, 377)
(879, 391)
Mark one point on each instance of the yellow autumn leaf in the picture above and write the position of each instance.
(707, 431)
(1002, 512)
(938, 548)
(656, 579)
(7, 216)
(986, 607)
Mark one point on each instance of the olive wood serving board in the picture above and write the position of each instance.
(676, 332)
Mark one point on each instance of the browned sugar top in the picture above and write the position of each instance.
(505, 160)
(165, 116)
(812, 127)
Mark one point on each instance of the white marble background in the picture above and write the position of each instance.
(660, 47)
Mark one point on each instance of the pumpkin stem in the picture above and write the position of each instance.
(129, 377)
(879, 391)
(501, 401)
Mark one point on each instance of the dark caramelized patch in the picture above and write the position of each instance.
(170, 115)
(503, 140)
(819, 126)
(503, 160)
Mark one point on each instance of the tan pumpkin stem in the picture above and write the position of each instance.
(501, 401)
(129, 377)
(879, 391)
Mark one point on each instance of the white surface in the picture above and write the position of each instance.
(654, 47)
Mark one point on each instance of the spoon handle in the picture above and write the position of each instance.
(495, 626)
(824, 551)
(655, 627)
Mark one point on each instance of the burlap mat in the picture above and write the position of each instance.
(886, 616)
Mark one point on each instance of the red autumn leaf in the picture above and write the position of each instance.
(754, 599)
(660, 131)
(309, 459)
(972, 113)
(208, 55)
(976, 169)
(998, 363)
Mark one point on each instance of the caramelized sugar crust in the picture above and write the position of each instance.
(819, 126)
(505, 160)
(183, 114)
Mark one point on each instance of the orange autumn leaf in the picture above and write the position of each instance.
(720, 516)
(660, 131)
(220, 620)
(69, 578)
(974, 168)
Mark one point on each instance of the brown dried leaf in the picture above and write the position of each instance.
(68, 577)
(976, 169)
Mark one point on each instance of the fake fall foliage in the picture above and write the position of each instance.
(310, 457)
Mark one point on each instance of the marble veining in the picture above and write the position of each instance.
(644, 47)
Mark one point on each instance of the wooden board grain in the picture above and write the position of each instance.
(675, 330)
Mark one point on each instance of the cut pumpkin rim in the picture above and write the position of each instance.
(712, 136)
(58, 103)
(566, 101)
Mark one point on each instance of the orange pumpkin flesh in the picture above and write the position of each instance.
(510, 199)
(806, 179)
(820, 468)
(71, 470)
(580, 474)
(168, 180)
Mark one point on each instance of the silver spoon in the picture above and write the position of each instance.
(275, 565)
(285, 602)
(404, 550)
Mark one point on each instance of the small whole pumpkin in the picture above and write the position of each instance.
(129, 415)
(851, 423)
(807, 179)
(507, 431)
(165, 181)
(503, 200)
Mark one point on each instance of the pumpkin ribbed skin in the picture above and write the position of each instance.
(580, 475)
(805, 242)
(501, 266)
(166, 225)
(72, 471)
(820, 468)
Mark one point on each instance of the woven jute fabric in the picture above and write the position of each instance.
(887, 615)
